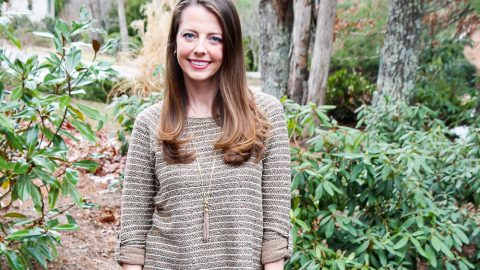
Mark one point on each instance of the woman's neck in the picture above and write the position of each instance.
(200, 97)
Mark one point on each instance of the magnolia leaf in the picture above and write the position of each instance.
(89, 112)
(17, 93)
(87, 164)
(96, 45)
(66, 227)
(84, 129)
(13, 260)
(14, 215)
(6, 122)
(43, 34)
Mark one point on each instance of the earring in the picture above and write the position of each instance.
(175, 52)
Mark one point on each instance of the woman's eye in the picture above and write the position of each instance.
(216, 39)
(189, 36)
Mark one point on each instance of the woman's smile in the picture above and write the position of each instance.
(199, 64)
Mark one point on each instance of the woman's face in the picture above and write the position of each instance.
(199, 44)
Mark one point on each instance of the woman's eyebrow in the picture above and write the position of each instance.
(188, 30)
(191, 30)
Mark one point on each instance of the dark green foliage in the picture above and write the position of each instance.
(359, 53)
(389, 197)
(34, 128)
(59, 4)
(99, 89)
(446, 82)
(359, 38)
(347, 90)
(125, 110)
(250, 63)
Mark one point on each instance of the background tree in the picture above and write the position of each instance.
(297, 83)
(322, 52)
(276, 21)
(248, 12)
(123, 26)
(399, 56)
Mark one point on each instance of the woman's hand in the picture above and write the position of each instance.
(131, 267)
(278, 265)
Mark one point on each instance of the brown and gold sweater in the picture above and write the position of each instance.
(162, 205)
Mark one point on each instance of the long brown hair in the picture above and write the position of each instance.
(245, 128)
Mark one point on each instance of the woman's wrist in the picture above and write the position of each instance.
(278, 265)
(131, 267)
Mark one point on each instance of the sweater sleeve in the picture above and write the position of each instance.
(139, 189)
(276, 180)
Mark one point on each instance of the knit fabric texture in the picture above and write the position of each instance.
(162, 204)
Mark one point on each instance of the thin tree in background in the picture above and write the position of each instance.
(399, 57)
(322, 52)
(95, 7)
(122, 21)
(276, 21)
(298, 79)
(248, 11)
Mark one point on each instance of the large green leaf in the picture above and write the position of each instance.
(15, 140)
(53, 197)
(72, 59)
(13, 260)
(25, 233)
(6, 122)
(39, 258)
(90, 112)
(87, 164)
(21, 167)
(24, 186)
(66, 227)
(84, 129)
(32, 138)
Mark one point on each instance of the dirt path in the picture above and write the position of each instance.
(92, 246)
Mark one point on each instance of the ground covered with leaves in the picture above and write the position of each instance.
(92, 245)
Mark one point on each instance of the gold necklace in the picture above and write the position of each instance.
(206, 194)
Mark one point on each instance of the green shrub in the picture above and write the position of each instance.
(348, 90)
(34, 165)
(99, 89)
(392, 196)
(446, 82)
(358, 40)
(125, 110)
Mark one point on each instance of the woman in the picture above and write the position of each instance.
(207, 180)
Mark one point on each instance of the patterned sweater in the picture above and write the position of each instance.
(162, 205)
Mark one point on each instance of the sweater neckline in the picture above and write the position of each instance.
(199, 119)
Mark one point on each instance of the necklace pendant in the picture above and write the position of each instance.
(205, 224)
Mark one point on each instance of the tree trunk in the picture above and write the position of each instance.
(297, 84)
(122, 21)
(399, 57)
(322, 52)
(276, 20)
(477, 110)
(254, 51)
(96, 9)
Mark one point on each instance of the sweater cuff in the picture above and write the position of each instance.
(129, 255)
(274, 250)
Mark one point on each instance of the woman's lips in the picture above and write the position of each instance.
(199, 64)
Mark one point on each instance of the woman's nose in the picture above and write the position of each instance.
(200, 48)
